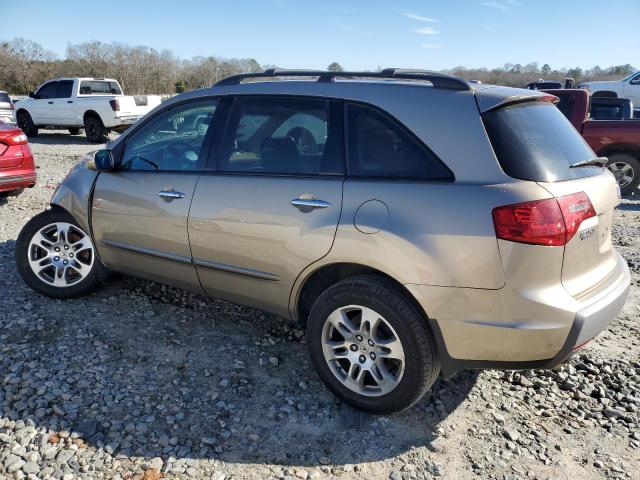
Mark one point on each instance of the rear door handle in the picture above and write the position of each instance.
(170, 195)
(308, 204)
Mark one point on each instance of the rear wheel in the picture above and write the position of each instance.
(26, 124)
(75, 130)
(95, 130)
(12, 193)
(626, 169)
(371, 345)
(55, 257)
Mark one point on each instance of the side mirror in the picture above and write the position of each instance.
(32, 95)
(102, 161)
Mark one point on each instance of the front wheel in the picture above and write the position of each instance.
(371, 345)
(95, 130)
(626, 169)
(55, 257)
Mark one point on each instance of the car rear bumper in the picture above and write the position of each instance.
(123, 122)
(14, 181)
(529, 331)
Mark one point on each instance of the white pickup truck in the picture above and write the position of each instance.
(95, 104)
(628, 87)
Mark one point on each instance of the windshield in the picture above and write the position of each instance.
(4, 98)
(534, 141)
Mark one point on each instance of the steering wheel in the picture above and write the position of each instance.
(305, 141)
(177, 154)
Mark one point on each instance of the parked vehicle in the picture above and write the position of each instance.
(95, 104)
(411, 223)
(6, 108)
(628, 87)
(543, 84)
(618, 140)
(17, 169)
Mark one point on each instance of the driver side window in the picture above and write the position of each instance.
(172, 141)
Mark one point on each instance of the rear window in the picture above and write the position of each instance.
(98, 87)
(4, 98)
(534, 141)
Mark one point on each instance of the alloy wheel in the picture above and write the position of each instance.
(363, 350)
(623, 172)
(61, 254)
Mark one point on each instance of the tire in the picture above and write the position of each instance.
(626, 168)
(82, 256)
(96, 133)
(381, 299)
(26, 124)
(12, 193)
(75, 131)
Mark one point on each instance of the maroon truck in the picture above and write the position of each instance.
(619, 140)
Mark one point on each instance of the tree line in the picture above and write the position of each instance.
(144, 70)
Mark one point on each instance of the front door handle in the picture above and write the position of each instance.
(307, 204)
(49, 103)
(170, 194)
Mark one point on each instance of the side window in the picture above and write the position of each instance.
(635, 80)
(279, 136)
(380, 147)
(64, 88)
(171, 141)
(49, 90)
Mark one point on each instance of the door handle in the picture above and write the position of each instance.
(308, 204)
(69, 101)
(49, 103)
(170, 194)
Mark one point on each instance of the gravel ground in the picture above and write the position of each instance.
(143, 381)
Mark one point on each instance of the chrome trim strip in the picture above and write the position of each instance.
(239, 270)
(147, 251)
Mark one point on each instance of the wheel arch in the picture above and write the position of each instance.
(628, 148)
(323, 277)
(90, 113)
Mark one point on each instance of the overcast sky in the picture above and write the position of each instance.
(359, 34)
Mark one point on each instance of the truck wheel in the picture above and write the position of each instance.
(56, 258)
(96, 133)
(26, 125)
(371, 345)
(626, 169)
(75, 131)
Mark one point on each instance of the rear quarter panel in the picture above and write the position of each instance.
(607, 135)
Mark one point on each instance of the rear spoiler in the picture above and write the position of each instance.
(494, 97)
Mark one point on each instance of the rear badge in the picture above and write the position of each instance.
(587, 233)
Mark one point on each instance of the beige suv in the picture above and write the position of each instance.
(412, 224)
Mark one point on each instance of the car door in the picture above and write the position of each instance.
(139, 211)
(41, 106)
(64, 104)
(273, 204)
(631, 90)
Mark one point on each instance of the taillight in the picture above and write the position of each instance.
(115, 105)
(552, 222)
(18, 139)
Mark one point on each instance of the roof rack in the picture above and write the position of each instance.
(438, 80)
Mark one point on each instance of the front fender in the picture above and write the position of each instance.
(74, 193)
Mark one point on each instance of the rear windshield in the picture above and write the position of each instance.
(97, 87)
(4, 98)
(534, 141)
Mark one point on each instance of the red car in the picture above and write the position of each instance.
(17, 169)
